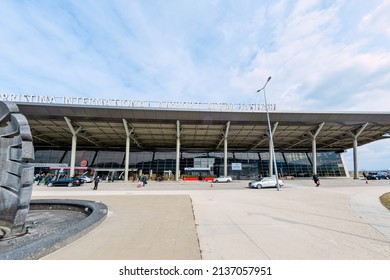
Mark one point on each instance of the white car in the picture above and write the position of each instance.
(223, 179)
(266, 182)
(85, 179)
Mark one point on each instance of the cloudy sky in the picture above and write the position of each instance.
(329, 55)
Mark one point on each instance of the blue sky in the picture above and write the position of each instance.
(322, 55)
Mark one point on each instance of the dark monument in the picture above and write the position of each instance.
(32, 229)
(16, 175)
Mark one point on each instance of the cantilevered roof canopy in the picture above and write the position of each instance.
(156, 129)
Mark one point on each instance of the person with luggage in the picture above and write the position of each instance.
(316, 180)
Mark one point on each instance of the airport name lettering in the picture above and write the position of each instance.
(177, 105)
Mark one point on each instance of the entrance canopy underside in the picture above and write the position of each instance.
(156, 129)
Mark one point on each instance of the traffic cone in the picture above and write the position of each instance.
(366, 181)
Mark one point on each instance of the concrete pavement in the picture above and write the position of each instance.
(342, 219)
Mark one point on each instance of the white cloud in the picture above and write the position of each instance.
(378, 21)
(213, 52)
(311, 66)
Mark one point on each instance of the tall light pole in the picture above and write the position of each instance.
(271, 142)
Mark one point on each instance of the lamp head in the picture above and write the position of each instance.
(269, 78)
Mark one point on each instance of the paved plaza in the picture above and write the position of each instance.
(342, 219)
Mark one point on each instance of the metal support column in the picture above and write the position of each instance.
(314, 147)
(127, 155)
(225, 144)
(177, 174)
(74, 146)
(272, 151)
(355, 156)
(355, 145)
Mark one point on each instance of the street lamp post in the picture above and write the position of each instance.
(271, 142)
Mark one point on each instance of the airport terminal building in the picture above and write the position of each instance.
(178, 139)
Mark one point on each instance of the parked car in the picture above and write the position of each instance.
(65, 181)
(85, 179)
(382, 175)
(378, 176)
(223, 179)
(265, 182)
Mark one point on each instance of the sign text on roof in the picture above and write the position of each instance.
(127, 103)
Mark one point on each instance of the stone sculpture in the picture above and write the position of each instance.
(16, 175)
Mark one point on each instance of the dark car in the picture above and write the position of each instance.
(378, 176)
(69, 182)
(383, 175)
(371, 176)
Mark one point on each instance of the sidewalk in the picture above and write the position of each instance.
(342, 219)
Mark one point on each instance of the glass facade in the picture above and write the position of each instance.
(252, 164)
(329, 165)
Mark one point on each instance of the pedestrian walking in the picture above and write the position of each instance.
(38, 178)
(365, 177)
(316, 180)
(144, 181)
(48, 179)
(96, 182)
